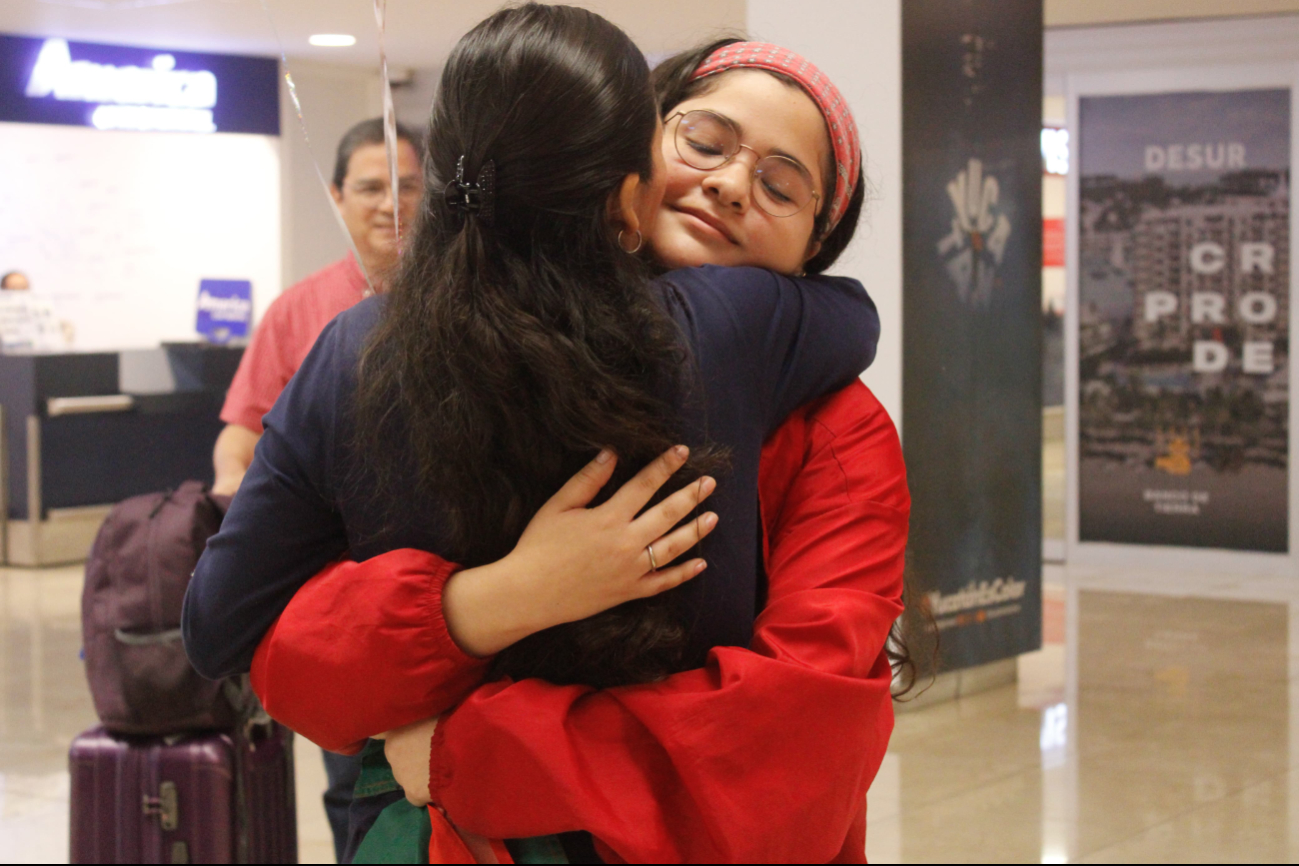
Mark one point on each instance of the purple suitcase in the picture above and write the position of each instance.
(197, 798)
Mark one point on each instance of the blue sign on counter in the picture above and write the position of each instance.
(142, 89)
(225, 310)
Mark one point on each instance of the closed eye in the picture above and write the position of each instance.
(705, 148)
(774, 191)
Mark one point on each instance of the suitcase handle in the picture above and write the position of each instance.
(131, 638)
(166, 806)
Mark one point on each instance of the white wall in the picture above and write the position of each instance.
(859, 45)
(1188, 44)
(117, 228)
(1075, 13)
(413, 98)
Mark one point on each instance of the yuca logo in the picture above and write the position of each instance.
(232, 309)
(984, 594)
(980, 230)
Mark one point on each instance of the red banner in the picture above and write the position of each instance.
(1053, 242)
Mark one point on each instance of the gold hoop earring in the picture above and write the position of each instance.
(634, 250)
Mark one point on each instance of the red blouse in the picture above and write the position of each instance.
(763, 755)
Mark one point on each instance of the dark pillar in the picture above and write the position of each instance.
(971, 371)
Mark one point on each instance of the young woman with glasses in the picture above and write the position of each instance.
(856, 595)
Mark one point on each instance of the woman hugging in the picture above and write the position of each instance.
(476, 526)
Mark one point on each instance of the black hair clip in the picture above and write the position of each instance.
(473, 198)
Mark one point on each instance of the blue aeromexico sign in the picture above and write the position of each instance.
(142, 89)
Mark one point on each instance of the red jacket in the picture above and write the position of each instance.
(763, 755)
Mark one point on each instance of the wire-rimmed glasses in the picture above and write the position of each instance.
(707, 141)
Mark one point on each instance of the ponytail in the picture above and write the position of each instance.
(517, 338)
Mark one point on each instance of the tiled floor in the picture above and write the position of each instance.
(44, 703)
(1156, 724)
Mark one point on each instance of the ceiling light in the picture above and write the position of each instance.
(332, 40)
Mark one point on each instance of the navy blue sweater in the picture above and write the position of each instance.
(764, 344)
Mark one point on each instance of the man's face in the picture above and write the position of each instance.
(366, 200)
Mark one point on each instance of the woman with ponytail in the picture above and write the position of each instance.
(521, 337)
(834, 505)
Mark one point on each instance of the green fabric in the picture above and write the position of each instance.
(537, 849)
(402, 832)
(376, 775)
(400, 835)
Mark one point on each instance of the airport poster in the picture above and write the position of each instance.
(1183, 319)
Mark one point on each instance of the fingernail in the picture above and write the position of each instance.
(603, 456)
(681, 451)
(700, 566)
(706, 486)
(710, 520)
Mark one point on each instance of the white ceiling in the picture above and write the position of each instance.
(1075, 13)
(420, 33)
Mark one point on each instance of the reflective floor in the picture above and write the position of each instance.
(1156, 724)
(44, 703)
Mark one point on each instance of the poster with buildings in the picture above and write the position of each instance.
(1183, 299)
(972, 308)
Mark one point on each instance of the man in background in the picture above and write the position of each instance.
(290, 326)
(15, 281)
(29, 322)
(362, 190)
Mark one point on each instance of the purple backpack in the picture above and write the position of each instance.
(136, 576)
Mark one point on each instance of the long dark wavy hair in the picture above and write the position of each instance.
(912, 644)
(512, 347)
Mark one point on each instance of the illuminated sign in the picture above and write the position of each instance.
(114, 87)
(1055, 150)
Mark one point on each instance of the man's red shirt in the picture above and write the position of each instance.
(285, 336)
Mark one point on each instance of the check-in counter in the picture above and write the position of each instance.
(82, 432)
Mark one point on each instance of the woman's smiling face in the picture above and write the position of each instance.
(709, 217)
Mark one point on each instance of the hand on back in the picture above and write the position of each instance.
(573, 561)
(409, 750)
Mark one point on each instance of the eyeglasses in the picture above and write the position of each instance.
(707, 141)
(374, 191)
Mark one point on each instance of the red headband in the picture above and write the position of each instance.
(843, 130)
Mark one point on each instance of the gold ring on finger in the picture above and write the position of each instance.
(654, 566)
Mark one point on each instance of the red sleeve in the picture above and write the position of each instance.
(765, 755)
(265, 368)
(363, 648)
